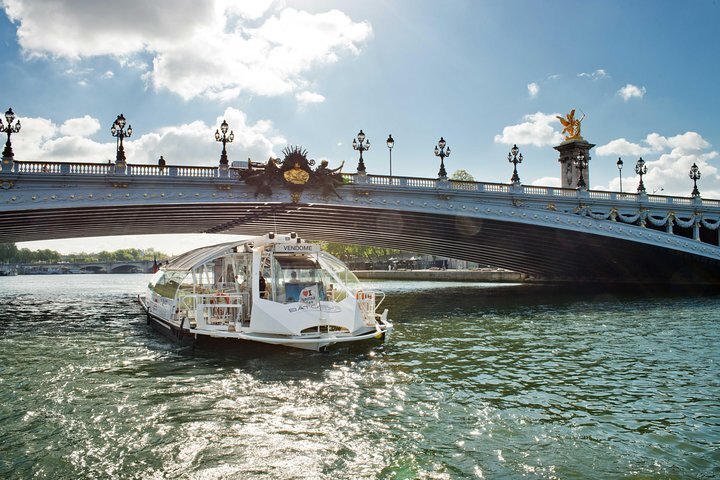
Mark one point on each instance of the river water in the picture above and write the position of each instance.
(477, 381)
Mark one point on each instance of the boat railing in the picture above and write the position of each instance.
(367, 302)
(220, 309)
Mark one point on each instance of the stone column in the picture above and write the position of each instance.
(7, 164)
(569, 150)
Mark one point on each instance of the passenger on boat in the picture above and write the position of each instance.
(292, 289)
(263, 287)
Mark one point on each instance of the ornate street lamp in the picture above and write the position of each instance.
(581, 164)
(118, 131)
(224, 139)
(442, 152)
(620, 165)
(9, 116)
(695, 175)
(641, 170)
(514, 158)
(361, 145)
(390, 144)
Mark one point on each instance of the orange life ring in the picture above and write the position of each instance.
(360, 295)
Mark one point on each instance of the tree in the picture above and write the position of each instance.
(8, 253)
(347, 251)
(24, 255)
(462, 176)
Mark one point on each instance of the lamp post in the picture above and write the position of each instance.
(10, 129)
(361, 145)
(695, 175)
(224, 138)
(620, 165)
(514, 158)
(581, 164)
(390, 144)
(641, 170)
(442, 152)
(118, 131)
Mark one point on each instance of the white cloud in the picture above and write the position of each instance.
(34, 132)
(536, 130)
(82, 28)
(631, 91)
(533, 89)
(186, 144)
(547, 182)
(42, 140)
(309, 97)
(194, 143)
(598, 74)
(82, 127)
(222, 50)
(621, 146)
(670, 169)
(108, 74)
(250, 10)
(687, 142)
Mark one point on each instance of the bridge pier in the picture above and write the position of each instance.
(569, 151)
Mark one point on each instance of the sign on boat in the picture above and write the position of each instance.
(273, 289)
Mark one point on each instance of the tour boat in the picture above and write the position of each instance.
(274, 289)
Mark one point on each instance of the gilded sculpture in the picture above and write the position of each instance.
(571, 125)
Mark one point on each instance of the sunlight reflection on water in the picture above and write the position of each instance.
(475, 382)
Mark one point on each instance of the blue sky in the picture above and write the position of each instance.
(483, 75)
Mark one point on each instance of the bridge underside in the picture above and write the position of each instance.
(539, 251)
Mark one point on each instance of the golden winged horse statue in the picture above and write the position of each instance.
(571, 124)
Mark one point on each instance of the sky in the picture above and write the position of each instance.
(484, 75)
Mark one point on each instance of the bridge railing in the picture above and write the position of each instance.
(90, 168)
(147, 170)
(155, 170)
(37, 167)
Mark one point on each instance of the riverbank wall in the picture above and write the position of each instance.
(479, 275)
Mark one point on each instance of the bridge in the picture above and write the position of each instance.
(570, 234)
(128, 266)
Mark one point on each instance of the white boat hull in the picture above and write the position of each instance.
(319, 342)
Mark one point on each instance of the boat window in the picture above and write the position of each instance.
(296, 276)
(166, 284)
(345, 281)
(204, 276)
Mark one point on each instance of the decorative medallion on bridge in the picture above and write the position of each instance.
(293, 172)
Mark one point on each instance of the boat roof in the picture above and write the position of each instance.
(189, 260)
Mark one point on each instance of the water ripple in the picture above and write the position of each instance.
(476, 382)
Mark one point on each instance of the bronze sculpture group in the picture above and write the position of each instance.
(293, 172)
